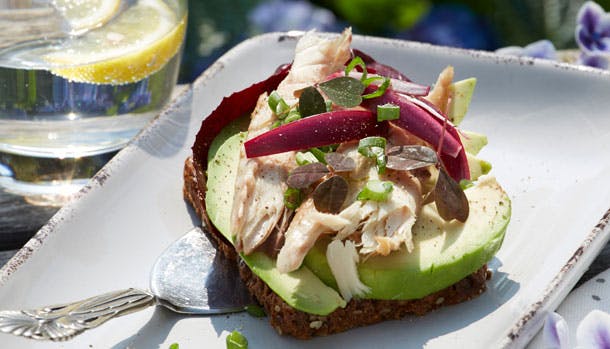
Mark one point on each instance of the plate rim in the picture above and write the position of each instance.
(532, 316)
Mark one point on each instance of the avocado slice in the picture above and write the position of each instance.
(477, 167)
(300, 289)
(460, 100)
(445, 252)
(473, 142)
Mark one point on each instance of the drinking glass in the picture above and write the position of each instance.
(78, 79)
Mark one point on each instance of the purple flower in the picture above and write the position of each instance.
(280, 15)
(539, 49)
(593, 29)
(593, 332)
(594, 61)
(555, 332)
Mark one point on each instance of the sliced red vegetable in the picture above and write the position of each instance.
(316, 131)
(457, 164)
(229, 109)
(375, 67)
(420, 122)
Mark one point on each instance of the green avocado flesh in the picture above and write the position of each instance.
(301, 289)
(445, 252)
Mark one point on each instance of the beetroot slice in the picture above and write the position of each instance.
(423, 124)
(229, 109)
(316, 131)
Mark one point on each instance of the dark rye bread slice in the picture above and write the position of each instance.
(287, 320)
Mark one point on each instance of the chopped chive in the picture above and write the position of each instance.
(379, 91)
(282, 109)
(329, 105)
(292, 198)
(276, 124)
(236, 340)
(174, 346)
(273, 100)
(368, 142)
(376, 190)
(466, 183)
(388, 111)
(372, 79)
(319, 154)
(293, 115)
(374, 148)
(356, 61)
(255, 310)
(304, 158)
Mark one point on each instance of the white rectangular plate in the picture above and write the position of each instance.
(548, 126)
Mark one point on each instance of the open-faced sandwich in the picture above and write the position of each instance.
(346, 193)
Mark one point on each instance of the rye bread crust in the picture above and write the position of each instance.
(287, 320)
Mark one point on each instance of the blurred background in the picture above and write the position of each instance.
(217, 25)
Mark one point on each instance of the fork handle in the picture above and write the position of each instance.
(62, 322)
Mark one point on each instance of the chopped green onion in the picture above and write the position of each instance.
(282, 109)
(305, 158)
(236, 340)
(276, 124)
(374, 148)
(292, 198)
(319, 154)
(388, 111)
(466, 183)
(329, 148)
(255, 310)
(372, 79)
(174, 346)
(278, 105)
(273, 100)
(293, 115)
(379, 91)
(329, 105)
(376, 190)
(365, 144)
(356, 61)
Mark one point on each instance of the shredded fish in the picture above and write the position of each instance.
(304, 230)
(439, 95)
(258, 202)
(384, 226)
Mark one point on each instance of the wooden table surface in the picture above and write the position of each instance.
(19, 221)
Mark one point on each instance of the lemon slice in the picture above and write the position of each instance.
(135, 44)
(83, 15)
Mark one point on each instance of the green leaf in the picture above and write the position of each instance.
(451, 202)
(344, 91)
(410, 157)
(339, 162)
(311, 102)
(330, 195)
(304, 176)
